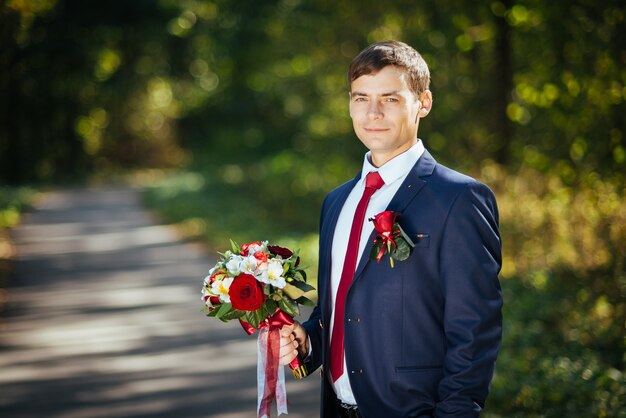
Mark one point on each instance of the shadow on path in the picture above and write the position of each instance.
(104, 320)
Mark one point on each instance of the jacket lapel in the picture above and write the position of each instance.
(410, 187)
(333, 211)
(327, 234)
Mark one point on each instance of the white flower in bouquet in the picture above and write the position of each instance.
(220, 288)
(237, 265)
(274, 274)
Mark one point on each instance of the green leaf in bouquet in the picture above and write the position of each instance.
(270, 306)
(252, 319)
(302, 274)
(289, 306)
(303, 300)
(232, 314)
(223, 310)
(258, 316)
(292, 291)
(303, 286)
(234, 247)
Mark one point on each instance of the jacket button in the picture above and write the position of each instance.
(349, 319)
(361, 371)
(358, 320)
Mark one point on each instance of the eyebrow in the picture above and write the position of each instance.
(358, 93)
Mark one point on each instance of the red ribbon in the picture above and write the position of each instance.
(274, 322)
(278, 320)
(386, 239)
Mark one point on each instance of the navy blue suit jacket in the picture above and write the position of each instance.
(421, 339)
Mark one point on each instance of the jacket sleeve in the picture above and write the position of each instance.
(313, 324)
(470, 260)
(314, 330)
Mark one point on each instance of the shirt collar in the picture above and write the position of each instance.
(397, 167)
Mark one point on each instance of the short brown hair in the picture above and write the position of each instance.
(381, 54)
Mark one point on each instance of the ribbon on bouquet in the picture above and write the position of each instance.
(271, 377)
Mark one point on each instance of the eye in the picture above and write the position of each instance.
(391, 100)
(359, 99)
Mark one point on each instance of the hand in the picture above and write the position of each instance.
(293, 341)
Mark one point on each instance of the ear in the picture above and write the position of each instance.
(426, 100)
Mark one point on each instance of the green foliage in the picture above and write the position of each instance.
(14, 201)
(553, 363)
(249, 100)
(564, 286)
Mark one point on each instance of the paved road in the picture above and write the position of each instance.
(103, 320)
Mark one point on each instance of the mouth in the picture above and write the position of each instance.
(376, 129)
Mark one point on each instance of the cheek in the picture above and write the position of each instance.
(354, 112)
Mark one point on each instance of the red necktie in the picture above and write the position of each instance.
(373, 182)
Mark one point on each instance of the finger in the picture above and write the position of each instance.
(288, 357)
(286, 330)
(288, 343)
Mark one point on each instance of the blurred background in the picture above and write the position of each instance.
(232, 118)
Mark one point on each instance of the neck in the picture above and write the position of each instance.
(378, 159)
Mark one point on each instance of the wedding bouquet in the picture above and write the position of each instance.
(262, 286)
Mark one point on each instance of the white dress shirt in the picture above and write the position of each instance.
(393, 173)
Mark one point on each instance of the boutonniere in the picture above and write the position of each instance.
(390, 238)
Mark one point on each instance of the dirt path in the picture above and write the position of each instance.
(103, 320)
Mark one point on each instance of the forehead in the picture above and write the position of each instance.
(389, 79)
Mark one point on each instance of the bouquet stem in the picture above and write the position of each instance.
(298, 368)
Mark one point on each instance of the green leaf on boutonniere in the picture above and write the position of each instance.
(402, 250)
(406, 237)
(375, 250)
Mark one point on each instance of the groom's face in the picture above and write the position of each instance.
(384, 113)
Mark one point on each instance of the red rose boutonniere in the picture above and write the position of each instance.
(390, 238)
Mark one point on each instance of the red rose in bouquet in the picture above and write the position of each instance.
(245, 247)
(246, 293)
(283, 252)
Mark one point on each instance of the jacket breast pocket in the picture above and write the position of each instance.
(421, 240)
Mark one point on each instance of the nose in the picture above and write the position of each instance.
(374, 110)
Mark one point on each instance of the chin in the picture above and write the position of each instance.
(367, 137)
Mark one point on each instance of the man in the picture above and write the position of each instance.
(418, 339)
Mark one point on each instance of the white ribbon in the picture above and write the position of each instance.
(280, 395)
